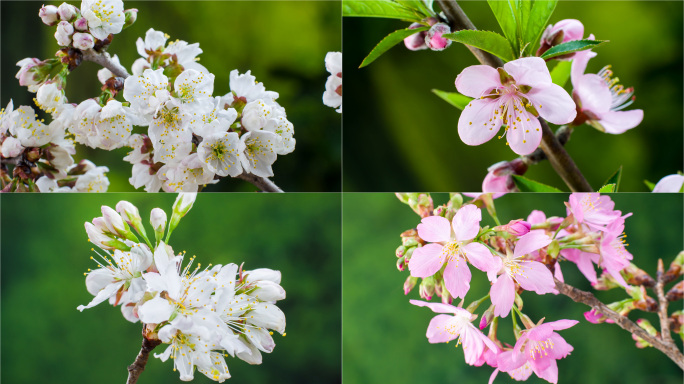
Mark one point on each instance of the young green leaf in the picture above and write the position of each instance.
(388, 42)
(504, 12)
(379, 8)
(534, 17)
(418, 6)
(608, 188)
(454, 98)
(526, 185)
(487, 41)
(649, 184)
(615, 179)
(570, 47)
(561, 73)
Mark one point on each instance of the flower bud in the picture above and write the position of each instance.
(81, 24)
(416, 42)
(400, 252)
(49, 14)
(97, 236)
(633, 275)
(401, 263)
(66, 12)
(128, 212)
(263, 274)
(516, 227)
(184, 203)
(561, 32)
(434, 39)
(83, 41)
(676, 293)
(158, 219)
(427, 288)
(131, 17)
(63, 33)
(487, 317)
(33, 155)
(455, 200)
(113, 221)
(33, 72)
(409, 284)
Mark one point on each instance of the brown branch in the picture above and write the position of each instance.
(138, 366)
(669, 348)
(264, 184)
(557, 155)
(562, 135)
(106, 61)
(662, 304)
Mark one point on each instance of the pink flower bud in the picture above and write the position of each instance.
(434, 39)
(518, 227)
(131, 16)
(66, 11)
(409, 284)
(416, 42)
(128, 212)
(561, 32)
(81, 24)
(29, 72)
(499, 178)
(63, 33)
(49, 14)
(83, 41)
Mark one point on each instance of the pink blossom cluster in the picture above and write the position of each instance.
(522, 255)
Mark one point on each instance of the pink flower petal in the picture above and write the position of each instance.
(437, 330)
(426, 260)
(477, 80)
(534, 276)
(466, 222)
(617, 122)
(457, 277)
(434, 229)
(477, 123)
(530, 71)
(481, 257)
(502, 295)
(439, 307)
(572, 29)
(550, 373)
(556, 104)
(560, 325)
(584, 263)
(536, 217)
(579, 65)
(670, 183)
(531, 242)
(525, 138)
(557, 273)
(510, 360)
(593, 93)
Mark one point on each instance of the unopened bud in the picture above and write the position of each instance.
(83, 41)
(184, 202)
(515, 227)
(66, 11)
(676, 293)
(401, 264)
(676, 268)
(128, 212)
(131, 17)
(33, 155)
(636, 276)
(455, 200)
(158, 219)
(114, 222)
(409, 284)
(434, 39)
(81, 24)
(561, 32)
(487, 317)
(427, 288)
(416, 42)
(49, 14)
(401, 251)
(63, 33)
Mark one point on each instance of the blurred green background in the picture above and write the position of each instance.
(384, 335)
(283, 43)
(403, 137)
(45, 252)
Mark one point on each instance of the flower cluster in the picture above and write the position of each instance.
(332, 97)
(203, 315)
(516, 95)
(188, 138)
(522, 255)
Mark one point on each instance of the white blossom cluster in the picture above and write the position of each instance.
(187, 137)
(202, 315)
(332, 97)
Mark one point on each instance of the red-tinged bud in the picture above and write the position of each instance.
(83, 41)
(676, 268)
(409, 284)
(81, 24)
(561, 32)
(131, 16)
(401, 251)
(427, 288)
(434, 39)
(676, 293)
(487, 317)
(401, 265)
(49, 14)
(67, 12)
(416, 42)
(515, 227)
(636, 276)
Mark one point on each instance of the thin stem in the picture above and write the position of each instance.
(557, 155)
(138, 366)
(103, 59)
(562, 134)
(669, 348)
(662, 304)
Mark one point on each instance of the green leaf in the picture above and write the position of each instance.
(487, 41)
(505, 15)
(649, 184)
(615, 179)
(454, 98)
(379, 8)
(570, 47)
(561, 73)
(388, 42)
(608, 188)
(418, 6)
(534, 17)
(526, 185)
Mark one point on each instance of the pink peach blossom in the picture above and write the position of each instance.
(513, 96)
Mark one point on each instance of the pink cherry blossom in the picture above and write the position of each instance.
(444, 328)
(452, 247)
(614, 257)
(600, 99)
(537, 348)
(530, 275)
(593, 210)
(513, 96)
(500, 176)
(561, 32)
